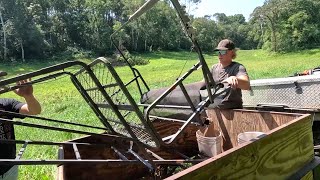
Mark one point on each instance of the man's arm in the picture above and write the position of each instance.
(241, 82)
(32, 106)
(240, 79)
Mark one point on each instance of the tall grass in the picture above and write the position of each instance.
(60, 99)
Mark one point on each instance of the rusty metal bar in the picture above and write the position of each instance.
(14, 87)
(47, 70)
(182, 155)
(110, 101)
(18, 115)
(181, 129)
(116, 92)
(91, 103)
(104, 86)
(143, 161)
(171, 119)
(119, 153)
(147, 124)
(186, 95)
(127, 107)
(154, 154)
(166, 106)
(189, 30)
(135, 71)
(95, 161)
(6, 141)
(305, 169)
(59, 129)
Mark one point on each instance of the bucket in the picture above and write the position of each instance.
(209, 146)
(249, 136)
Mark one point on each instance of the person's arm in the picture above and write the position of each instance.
(32, 106)
(240, 79)
(241, 82)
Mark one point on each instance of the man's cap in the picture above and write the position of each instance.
(225, 44)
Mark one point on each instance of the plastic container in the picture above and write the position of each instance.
(209, 146)
(249, 136)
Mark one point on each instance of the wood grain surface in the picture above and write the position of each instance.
(286, 148)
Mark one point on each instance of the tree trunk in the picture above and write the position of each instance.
(145, 45)
(5, 50)
(274, 37)
(137, 39)
(132, 38)
(22, 51)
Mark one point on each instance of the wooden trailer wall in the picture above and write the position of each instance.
(286, 148)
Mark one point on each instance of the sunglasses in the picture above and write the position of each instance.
(221, 52)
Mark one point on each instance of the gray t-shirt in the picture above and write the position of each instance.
(220, 73)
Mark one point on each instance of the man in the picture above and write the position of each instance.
(233, 73)
(30, 107)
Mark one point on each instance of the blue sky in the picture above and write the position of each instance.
(229, 7)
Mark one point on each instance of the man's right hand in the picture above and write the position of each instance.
(24, 91)
(232, 81)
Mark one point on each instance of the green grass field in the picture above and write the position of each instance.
(60, 99)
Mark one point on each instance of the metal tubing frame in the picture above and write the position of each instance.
(45, 143)
(60, 67)
(78, 85)
(189, 31)
(47, 70)
(93, 106)
(184, 91)
(150, 164)
(15, 122)
(306, 169)
(209, 82)
(111, 103)
(196, 111)
(135, 107)
(206, 73)
(48, 119)
(134, 71)
(96, 161)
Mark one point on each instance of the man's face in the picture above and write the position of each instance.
(225, 56)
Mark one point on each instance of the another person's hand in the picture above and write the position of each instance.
(232, 81)
(24, 90)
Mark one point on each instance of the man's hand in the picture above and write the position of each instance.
(24, 90)
(241, 82)
(32, 106)
(232, 81)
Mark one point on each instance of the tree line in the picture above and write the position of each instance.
(45, 28)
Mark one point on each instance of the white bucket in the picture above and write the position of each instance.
(209, 146)
(249, 136)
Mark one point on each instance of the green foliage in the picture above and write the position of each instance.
(288, 25)
(208, 33)
(45, 28)
(133, 60)
(60, 100)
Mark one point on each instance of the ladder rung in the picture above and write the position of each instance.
(120, 107)
(104, 86)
